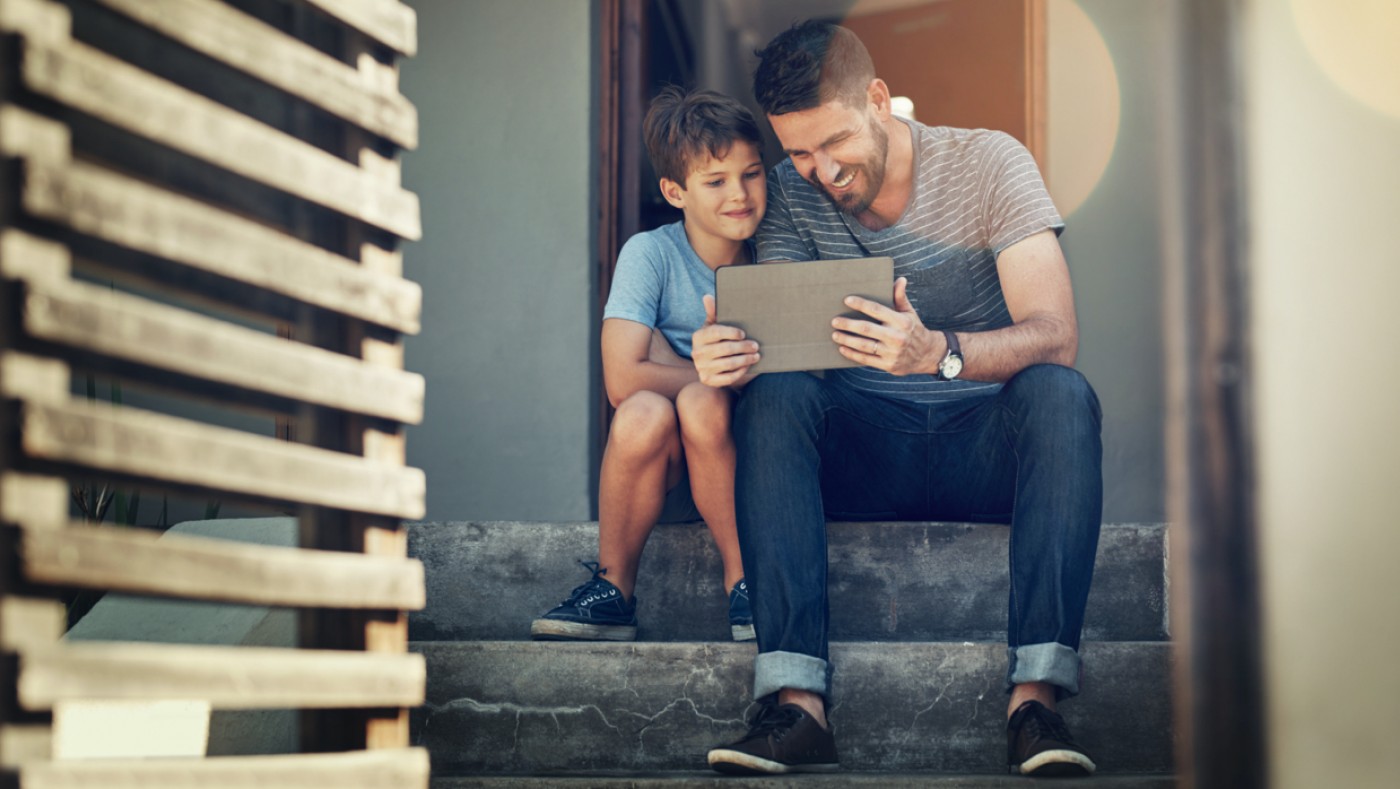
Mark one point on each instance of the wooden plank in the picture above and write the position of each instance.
(142, 562)
(139, 330)
(27, 623)
(133, 214)
(33, 501)
(21, 744)
(114, 91)
(283, 61)
(389, 22)
(23, 256)
(32, 378)
(226, 677)
(402, 768)
(163, 448)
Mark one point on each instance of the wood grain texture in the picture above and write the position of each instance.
(174, 565)
(249, 45)
(135, 329)
(124, 211)
(403, 768)
(118, 93)
(169, 449)
(389, 22)
(226, 677)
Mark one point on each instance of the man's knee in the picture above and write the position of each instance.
(775, 400)
(1056, 392)
(643, 424)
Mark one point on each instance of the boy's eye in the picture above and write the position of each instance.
(717, 182)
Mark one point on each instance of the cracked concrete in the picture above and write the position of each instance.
(516, 707)
(888, 581)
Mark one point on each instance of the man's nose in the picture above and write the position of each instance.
(827, 167)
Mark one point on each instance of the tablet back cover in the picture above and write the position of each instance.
(787, 307)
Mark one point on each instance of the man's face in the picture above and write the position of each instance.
(839, 149)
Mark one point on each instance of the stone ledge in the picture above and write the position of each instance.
(888, 581)
(532, 707)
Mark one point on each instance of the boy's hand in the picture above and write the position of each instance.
(721, 354)
(898, 344)
(661, 352)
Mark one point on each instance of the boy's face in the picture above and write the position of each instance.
(722, 198)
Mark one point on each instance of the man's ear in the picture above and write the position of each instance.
(878, 93)
(673, 192)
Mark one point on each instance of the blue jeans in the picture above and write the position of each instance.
(809, 450)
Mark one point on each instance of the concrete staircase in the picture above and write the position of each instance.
(918, 628)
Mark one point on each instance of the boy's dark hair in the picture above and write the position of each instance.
(808, 65)
(682, 126)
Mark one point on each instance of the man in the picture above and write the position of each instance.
(966, 407)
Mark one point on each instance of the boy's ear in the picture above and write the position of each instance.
(673, 192)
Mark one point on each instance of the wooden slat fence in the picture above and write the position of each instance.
(227, 246)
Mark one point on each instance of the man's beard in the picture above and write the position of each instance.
(873, 170)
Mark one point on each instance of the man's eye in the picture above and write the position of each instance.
(753, 175)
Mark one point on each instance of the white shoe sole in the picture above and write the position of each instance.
(730, 761)
(1059, 762)
(580, 631)
(742, 632)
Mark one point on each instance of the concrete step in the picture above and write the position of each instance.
(535, 708)
(888, 581)
(710, 780)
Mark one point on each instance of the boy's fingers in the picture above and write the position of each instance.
(709, 302)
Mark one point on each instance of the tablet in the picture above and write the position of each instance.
(787, 307)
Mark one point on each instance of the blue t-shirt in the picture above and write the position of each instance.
(659, 282)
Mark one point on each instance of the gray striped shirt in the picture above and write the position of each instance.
(976, 192)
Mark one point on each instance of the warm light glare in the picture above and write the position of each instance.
(1356, 43)
(1084, 105)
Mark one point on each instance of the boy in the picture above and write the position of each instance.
(706, 150)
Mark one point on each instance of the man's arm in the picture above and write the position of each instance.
(628, 365)
(1034, 280)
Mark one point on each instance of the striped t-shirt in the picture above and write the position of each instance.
(975, 193)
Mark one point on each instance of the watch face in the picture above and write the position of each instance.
(951, 366)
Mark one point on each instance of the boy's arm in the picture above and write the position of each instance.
(627, 364)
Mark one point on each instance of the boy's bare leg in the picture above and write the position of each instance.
(704, 413)
(641, 462)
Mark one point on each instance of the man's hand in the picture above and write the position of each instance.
(721, 354)
(897, 342)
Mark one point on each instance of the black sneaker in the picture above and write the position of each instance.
(596, 611)
(781, 739)
(1039, 743)
(740, 614)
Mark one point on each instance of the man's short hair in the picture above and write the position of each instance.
(808, 65)
(682, 126)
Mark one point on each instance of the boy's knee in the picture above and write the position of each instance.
(644, 422)
(703, 412)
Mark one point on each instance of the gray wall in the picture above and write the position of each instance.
(1113, 246)
(505, 173)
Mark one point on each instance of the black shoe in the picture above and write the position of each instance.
(1039, 743)
(781, 739)
(740, 614)
(596, 611)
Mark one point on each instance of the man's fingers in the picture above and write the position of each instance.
(901, 296)
(864, 328)
(874, 309)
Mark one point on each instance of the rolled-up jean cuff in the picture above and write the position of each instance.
(1054, 663)
(773, 671)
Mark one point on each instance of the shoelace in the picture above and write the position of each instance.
(772, 719)
(587, 586)
(1042, 725)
